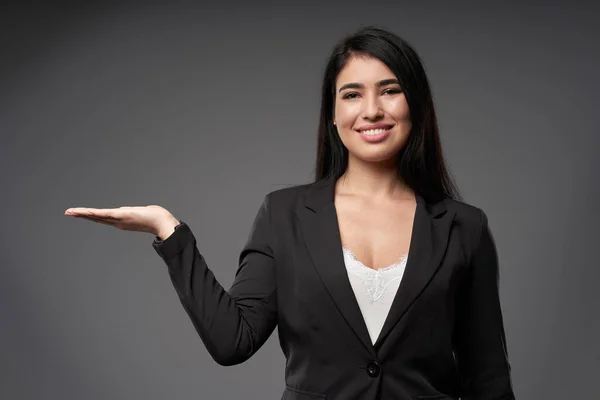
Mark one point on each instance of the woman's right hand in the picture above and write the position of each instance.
(151, 219)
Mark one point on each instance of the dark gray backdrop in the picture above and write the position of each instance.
(204, 109)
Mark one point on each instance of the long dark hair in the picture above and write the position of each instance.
(420, 163)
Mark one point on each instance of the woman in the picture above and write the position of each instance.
(381, 282)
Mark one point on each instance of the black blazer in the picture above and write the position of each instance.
(444, 335)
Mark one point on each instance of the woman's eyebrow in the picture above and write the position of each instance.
(355, 85)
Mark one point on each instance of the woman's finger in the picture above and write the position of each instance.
(105, 214)
(78, 211)
(93, 212)
(104, 221)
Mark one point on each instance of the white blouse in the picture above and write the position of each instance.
(374, 289)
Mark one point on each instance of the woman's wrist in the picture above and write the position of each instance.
(166, 227)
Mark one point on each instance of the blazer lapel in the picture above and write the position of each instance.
(320, 229)
(431, 229)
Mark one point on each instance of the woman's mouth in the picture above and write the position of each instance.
(375, 135)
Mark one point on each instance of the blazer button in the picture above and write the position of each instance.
(373, 369)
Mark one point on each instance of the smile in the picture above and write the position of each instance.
(373, 131)
(375, 135)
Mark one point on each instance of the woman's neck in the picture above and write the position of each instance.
(373, 180)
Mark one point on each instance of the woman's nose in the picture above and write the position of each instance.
(372, 108)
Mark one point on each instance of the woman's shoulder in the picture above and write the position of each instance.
(284, 198)
(463, 209)
(288, 195)
(472, 218)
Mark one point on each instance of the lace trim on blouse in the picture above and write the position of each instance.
(375, 281)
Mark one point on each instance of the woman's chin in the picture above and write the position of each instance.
(375, 155)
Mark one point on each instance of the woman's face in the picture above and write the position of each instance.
(371, 113)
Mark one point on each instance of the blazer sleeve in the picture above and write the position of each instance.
(480, 344)
(232, 324)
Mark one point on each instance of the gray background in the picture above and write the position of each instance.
(204, 109)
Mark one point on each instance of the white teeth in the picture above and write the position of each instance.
(373, 131)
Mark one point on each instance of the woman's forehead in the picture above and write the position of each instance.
(367, 71)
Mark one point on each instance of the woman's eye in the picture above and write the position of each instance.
(353, 95)
(392, 91)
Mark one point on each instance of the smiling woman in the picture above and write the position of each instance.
(381, 282)
(374, 108)
(375, 80)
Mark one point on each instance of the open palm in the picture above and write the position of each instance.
(137, 218)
